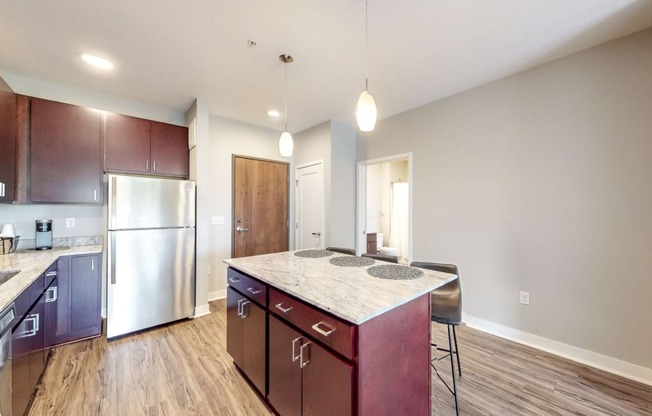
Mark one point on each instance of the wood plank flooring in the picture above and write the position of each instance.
(184, 369)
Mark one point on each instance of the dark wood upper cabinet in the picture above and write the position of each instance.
(169, 150)
(65, 153)
(127, 144)
(136, 145)
(7, 142)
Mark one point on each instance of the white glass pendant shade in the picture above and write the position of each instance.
(285, 144)
(366, 112)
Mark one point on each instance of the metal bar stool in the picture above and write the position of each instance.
(446, 309)
(350, 251)
(382, 257)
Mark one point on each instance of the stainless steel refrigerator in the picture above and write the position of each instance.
(151, 266)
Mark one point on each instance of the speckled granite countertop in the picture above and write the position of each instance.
(347, 292)
(31, 265)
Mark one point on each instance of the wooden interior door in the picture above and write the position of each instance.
(260, 206)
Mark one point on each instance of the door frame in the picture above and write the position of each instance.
(361, 200)
(296, 200)
(261, 159)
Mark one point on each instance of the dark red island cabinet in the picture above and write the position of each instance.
(135, 145)
(319, 364)
(246, 337)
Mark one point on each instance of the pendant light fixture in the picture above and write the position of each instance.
(285, 143)
(366, 111)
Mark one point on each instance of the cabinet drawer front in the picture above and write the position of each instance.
(332, 332)
(252, 288)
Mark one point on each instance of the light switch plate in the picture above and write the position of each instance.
(217, 220)
(70, 223)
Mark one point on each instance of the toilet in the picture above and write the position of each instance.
(387, 251)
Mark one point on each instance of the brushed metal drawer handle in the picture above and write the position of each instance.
(282, 309)
(304, 347)
(253, 291)
(294, 349)
(234, 279)
(321, 331)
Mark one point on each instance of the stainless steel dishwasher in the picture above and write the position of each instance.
(7, 318)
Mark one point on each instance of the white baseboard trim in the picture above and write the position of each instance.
(202, 310)
(218, 294)
(590, 358)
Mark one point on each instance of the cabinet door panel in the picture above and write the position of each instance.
(234, 328)
(254, 345)
(78, 298)
(127, 143)
(7, 142)
(36, 353)
(22, 390)
(169, 149)
(85, 301)
(327, 384)
(50, 319)
(65, 153)
(284, 374)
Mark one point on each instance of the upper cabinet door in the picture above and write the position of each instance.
(7, 142)
(169, 150)
(127, 144)
(66, 153)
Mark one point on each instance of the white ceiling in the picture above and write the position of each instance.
(167, 52)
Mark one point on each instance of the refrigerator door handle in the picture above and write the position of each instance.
(113, 201)
(112, 255)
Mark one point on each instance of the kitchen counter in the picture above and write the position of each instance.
(349, 293)
(31, 265)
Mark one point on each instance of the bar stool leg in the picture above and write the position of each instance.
(457, 352)
(450, 346)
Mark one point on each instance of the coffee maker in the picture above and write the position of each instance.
(43, 234)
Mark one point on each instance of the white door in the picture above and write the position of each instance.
(310, 206)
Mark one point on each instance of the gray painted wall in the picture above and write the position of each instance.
(335, 144)
(229, 137)
(541, 182)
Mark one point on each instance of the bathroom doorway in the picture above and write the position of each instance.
(384, 215)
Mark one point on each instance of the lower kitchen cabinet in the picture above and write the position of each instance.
(246, 331)
(29, 354)
(304, 378)
(79, 299)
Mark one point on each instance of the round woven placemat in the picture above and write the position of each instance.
(395, 272)
(351, 261)
(313, 254)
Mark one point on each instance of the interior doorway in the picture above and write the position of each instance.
(384, 223)
(310, 221)
(260, 206)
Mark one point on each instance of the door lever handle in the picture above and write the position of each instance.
(317, 234)
(241, 229)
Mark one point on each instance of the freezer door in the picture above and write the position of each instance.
(139, 202)
(151, 278)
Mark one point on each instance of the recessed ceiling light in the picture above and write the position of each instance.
(273, 113)
(97, 62)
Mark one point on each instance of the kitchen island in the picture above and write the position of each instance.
(317, 334)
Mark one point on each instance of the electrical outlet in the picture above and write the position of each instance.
(525, 298)
(70, 223)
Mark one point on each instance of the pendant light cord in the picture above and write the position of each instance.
(366, 45)
(286, 95)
